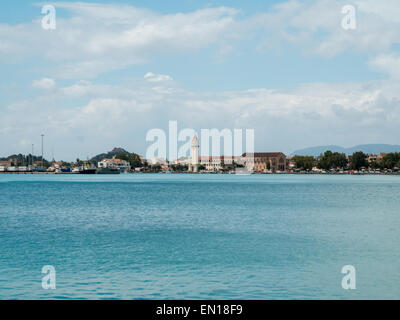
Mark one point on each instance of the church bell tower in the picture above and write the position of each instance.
(195, 155)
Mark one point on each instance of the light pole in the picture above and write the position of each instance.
(42, 151)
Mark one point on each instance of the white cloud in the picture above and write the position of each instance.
(387, 63)
(44, 83)
(315, 26)
(78, 89)
(388, 10)
(98, 38)
(101, 37)
(310, 114)
(151, 77)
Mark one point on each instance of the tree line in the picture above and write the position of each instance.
(335, 160)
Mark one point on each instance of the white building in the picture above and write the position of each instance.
(194, 165)
(183, 161)
(122, 165)
(211, 163)
(217, 163)
(160, 161)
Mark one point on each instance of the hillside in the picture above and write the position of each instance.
(109, 154)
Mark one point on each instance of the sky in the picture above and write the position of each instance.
(113, 70)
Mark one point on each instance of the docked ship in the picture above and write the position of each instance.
(87, 170)
(108, 170)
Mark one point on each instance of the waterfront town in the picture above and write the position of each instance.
(121, 161)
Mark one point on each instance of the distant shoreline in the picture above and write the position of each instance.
(213, 173)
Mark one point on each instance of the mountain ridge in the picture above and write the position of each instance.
(374, 148)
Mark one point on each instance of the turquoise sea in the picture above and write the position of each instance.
(168, 236)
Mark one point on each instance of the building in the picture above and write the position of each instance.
(380, 157)
(254, 162)
(219, 163)
(57, 164)
(210, 163)
(163, 163)
(156, 161)
(13, 162)
(122, 165)
(183, 161)
(372, 157)
(4, 165)
(291, 163)
(194, 165)
(265, 161)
